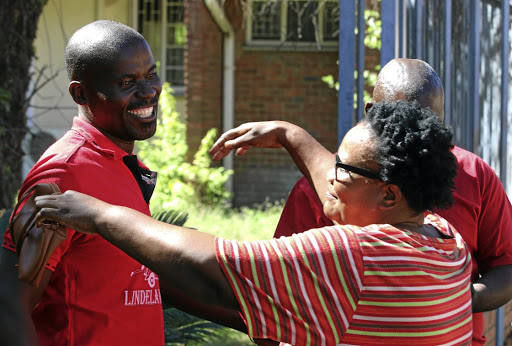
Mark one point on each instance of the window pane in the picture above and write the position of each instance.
(175, 76)
(175, 12)
(156, 7)
(150, 24)
(175, 57)
(266, 17)
(302, 20)
(176, 34)
(331, 21)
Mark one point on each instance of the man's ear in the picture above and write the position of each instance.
(391, 196)
(77, 92)
(367, 106)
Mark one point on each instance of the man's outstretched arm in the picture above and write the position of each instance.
(201, 309)
(313, 160)
(493, 289)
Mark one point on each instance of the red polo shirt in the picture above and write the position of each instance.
(97, 294)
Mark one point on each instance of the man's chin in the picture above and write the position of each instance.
(146, 133)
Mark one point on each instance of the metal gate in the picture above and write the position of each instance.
(468, 43)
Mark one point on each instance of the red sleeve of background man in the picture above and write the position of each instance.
(302, 211)
(482, 212)
(495, 221)
(495, 226)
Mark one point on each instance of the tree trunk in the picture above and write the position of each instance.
(18, 26)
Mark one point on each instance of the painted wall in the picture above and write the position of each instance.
(52, 108)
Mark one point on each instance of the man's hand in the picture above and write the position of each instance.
(265, 134)
(71, 209)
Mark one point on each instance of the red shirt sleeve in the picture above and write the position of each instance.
(481, 213)
(495, 223)
(63, 177)
(302, 211)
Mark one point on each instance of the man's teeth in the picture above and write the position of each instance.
(142, 112)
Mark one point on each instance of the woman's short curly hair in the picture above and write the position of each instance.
(412, 147)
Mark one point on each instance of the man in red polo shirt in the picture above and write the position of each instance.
(91, 293)
(482, 213)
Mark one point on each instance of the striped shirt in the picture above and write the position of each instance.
(354, 285)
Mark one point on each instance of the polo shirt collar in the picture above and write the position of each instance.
(97, 139)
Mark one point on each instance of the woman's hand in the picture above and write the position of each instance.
(71, 209)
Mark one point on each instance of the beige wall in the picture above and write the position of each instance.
(54, 109)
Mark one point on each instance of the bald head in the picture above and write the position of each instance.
(97, 44)
(410, 80)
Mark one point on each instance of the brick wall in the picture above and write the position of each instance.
(280, 85)
(203, 73)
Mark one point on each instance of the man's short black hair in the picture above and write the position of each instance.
(413, 150)
(97, 43)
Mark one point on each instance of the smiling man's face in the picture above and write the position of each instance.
(123, 97)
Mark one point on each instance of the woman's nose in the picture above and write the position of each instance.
(331, 176)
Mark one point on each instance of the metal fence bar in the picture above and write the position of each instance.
(418, 30)
(401, 29)
(499, 324)
(361, 26)
(472, 125)
(388, 12)
(346, 63)
(447, 58)
(505, 25)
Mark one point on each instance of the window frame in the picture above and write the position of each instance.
(164, 46)
(320, 43)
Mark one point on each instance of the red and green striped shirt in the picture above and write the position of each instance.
(354, 285)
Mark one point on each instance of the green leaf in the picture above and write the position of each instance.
(5, 99)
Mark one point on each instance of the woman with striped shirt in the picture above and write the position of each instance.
(389, 271)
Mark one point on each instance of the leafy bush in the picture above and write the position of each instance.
(184, 329)
(181, 183)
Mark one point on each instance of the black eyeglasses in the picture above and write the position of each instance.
(340, 167)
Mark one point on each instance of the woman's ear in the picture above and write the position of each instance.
(367, 106)
(77, 92)
(391, 196)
